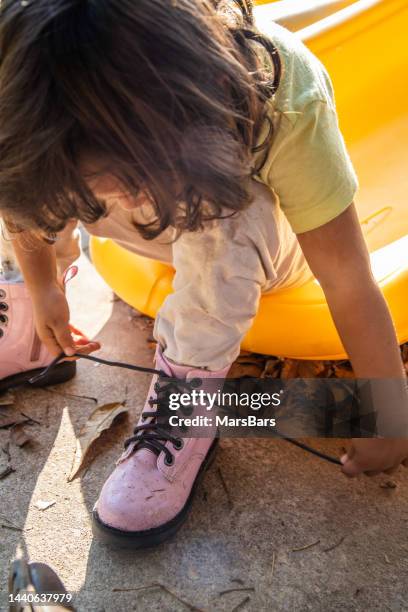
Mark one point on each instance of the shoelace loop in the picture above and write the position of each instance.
(129, 366)
(155, 433)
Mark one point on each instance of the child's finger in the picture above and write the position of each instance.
(77, 334)
(83, 340)
(48, 339)
(82, 343)
(64, 338)
(350, 467)
(84, 349)
(90, 347)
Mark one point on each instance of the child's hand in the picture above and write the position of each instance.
(372, 456)
(51, 315)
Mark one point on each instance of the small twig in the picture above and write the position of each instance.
(72, 395)
(6, 472)
(30, 418)
(335, 545)
(11, 527)
(224, 486)
(11, 424)
(3, 517)
(131, 589)
(10, 524)
(47, 416)
(6, 451)
(273, 567)
(183, 601)
(241, 604)
(236, 590)
(305, 547)
(155, 585)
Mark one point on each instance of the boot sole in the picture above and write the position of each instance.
(59, 374)
(117, 538)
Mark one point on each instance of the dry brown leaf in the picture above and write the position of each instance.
(343, 372)
(310, 369)
(245, 353)
(388, 484)
(99, 420)
(7, 399)
(241, 369)
(256, 365)
(247, 364)
(272, 368)
(290, 368)
(11, 420)
(18, 435)
(245, 357)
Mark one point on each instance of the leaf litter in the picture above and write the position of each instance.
(99, 421)
(7, 399)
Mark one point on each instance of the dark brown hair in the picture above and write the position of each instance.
(170, 92)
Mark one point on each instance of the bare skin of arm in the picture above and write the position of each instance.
(338, 257)
(37, 262)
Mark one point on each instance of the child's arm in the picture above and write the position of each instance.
(37, 261)
(338, 256)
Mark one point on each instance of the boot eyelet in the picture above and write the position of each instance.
(3, 319)
(3, 294)
(196, 382)
(168, 461)
(3, 306)
(178, 444)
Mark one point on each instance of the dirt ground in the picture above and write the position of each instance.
(287, 532)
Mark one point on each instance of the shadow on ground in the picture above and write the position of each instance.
(272, 527)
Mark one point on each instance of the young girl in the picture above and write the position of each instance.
(180, 131)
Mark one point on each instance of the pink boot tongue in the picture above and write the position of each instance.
(145, 454)
(174, 370)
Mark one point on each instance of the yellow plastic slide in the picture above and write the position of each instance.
(296, 14)
(364, 49)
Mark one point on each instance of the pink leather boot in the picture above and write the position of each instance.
(22, 355)
(148, 496)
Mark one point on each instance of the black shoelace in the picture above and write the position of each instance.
(154, 434)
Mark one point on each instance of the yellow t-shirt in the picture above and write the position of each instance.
(307, 164)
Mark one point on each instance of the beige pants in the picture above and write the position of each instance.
(221, 273)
